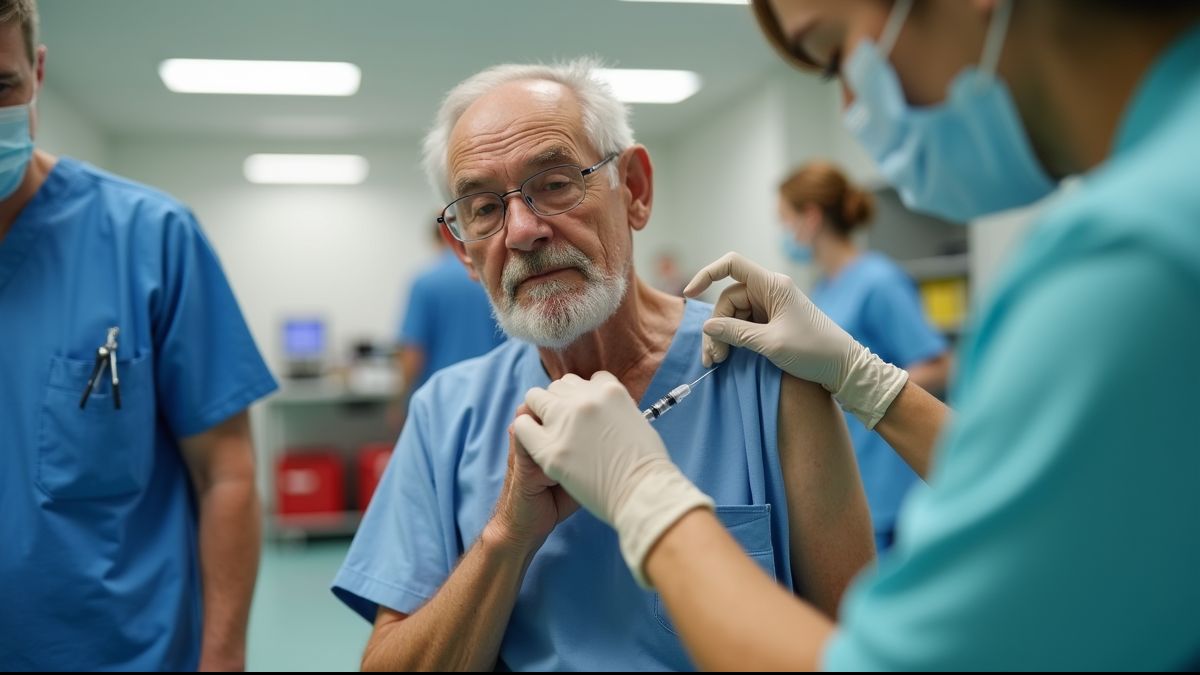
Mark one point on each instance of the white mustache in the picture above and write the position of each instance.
(522, 266)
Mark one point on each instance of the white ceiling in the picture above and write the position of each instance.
(104, 55)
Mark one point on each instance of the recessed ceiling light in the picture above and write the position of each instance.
(651, 86)
(306, 169)
(289, 78)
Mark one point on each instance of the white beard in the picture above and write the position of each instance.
(554, 314)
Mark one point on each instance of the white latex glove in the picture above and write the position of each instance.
(593, 441)
(766, 313)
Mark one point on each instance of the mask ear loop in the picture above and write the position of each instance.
(895, 23)
(993, 45)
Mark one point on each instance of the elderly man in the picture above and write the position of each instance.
(469, 557)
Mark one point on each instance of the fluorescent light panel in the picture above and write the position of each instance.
(306, 169)
(289, 78)
(651, 86)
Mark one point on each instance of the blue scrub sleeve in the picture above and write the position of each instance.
(895, 318)
(207, 367)
(403, 550)
(1040, 542)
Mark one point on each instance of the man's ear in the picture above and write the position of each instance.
(460, 250)
(637, 175)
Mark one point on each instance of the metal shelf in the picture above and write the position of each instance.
(325, 392)
(302, 525)
(938, 267)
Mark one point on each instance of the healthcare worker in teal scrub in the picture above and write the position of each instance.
(1058, 526)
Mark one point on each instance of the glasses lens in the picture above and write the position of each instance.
(555, 190)
(475, 216)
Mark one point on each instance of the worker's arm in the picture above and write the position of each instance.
(220, 462)
(411, 360)
(912, 425)
(784, 633)
(829, 522)
(931, 375)
(461, 627)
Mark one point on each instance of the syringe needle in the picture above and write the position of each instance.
(710, 372)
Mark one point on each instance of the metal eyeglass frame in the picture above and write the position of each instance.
(444, 219)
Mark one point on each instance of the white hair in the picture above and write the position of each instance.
(605, 118)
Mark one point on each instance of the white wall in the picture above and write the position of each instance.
(62, 130)
(345, 253)
(715, 187)
(717, 179)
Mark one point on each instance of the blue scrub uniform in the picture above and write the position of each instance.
(448, 317)
(875, 301)
(98, 560)
(1058, 531)
(578, 609)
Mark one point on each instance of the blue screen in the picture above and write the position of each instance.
(304, 338)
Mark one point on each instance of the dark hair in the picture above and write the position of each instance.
(846, 206)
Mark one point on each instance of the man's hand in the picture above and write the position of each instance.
(530, 504)
(592, 437)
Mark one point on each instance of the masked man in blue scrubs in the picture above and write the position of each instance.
(469, 557)
(128, 512)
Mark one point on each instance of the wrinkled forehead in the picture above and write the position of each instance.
(514, 128)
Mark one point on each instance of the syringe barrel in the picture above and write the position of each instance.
(667, 402)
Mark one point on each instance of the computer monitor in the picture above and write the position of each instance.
(304, 346)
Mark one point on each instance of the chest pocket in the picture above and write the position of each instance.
(750, 526)
(98, 451)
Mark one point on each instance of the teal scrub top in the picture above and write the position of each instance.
(1059, 528)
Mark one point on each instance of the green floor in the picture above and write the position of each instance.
(295, 623)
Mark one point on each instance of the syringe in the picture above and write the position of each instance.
(662, 405)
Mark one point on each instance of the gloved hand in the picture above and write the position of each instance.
(593, 441)
(766, 313)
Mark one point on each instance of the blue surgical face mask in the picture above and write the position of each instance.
(16, 146)
(800, 254)
(963, 158)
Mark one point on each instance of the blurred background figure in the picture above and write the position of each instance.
(448, 319)
(667, 277)
(874, 300)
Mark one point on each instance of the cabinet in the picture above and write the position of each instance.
(325, 415)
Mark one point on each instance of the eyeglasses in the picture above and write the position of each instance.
(547, 193)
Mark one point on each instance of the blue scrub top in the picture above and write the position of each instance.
(98, 566)
(448, 317)
(1059, 527)
(579, 608)
(876, 302)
